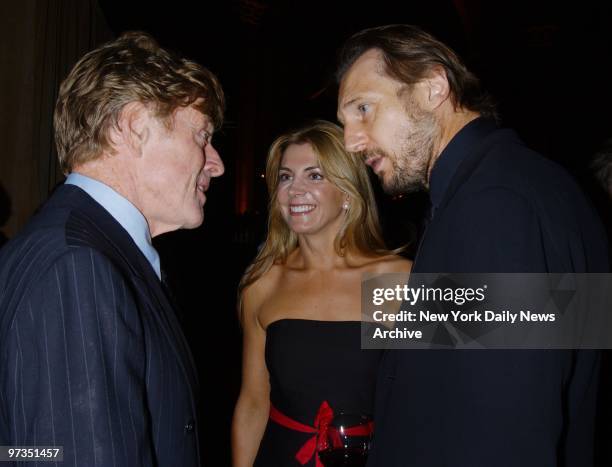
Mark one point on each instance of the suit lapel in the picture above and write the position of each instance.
(113, 240)
(162, 305)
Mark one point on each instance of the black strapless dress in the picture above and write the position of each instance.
(311, 362)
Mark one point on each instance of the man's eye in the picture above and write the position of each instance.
(363, 108)
(204, 137)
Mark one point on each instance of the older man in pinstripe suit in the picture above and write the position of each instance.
(92, 356)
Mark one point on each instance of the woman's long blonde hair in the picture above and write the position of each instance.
(360, 231)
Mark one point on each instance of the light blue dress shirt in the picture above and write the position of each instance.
(124, 212)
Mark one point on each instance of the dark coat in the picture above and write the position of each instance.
(503, 208)
(92, 356)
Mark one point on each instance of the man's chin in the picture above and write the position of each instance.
(396, 187)
(393, 190)
(195, 222)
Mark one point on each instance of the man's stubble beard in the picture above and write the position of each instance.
(410, 165)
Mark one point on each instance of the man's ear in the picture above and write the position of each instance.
(437, 89)
(132, 130)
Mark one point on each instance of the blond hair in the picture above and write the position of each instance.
(132, 68)
(360, 232)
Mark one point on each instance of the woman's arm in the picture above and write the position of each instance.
(253, 406)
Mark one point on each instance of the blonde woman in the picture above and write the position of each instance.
(300, 300)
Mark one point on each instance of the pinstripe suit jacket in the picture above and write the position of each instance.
(92, 356)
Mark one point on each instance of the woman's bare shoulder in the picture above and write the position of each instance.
(390, 264)
(255, 294)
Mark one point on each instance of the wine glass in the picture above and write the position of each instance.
(347, 441)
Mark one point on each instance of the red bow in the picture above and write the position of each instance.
(323, 432)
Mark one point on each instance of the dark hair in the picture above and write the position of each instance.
(128, 69)
(409, 53)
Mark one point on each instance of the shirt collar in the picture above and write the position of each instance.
(458, 148)
(124, 212)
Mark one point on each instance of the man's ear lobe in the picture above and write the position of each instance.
(133, 127)
(437, 87)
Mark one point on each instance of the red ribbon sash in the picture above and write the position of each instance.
(322, 431)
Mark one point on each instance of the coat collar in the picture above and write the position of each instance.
(460, 147)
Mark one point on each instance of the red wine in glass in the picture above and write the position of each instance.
(344, 457)
(347, 441)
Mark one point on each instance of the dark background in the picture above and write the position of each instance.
(546, 62)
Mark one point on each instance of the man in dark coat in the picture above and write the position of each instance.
(417, 116)
(92, 355)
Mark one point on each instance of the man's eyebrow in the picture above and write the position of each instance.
(350, 102)
(206, 125)
(345, 105)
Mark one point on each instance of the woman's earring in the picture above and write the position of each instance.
(345, 206)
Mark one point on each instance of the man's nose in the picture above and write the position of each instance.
(355, 138)
(213, 165)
